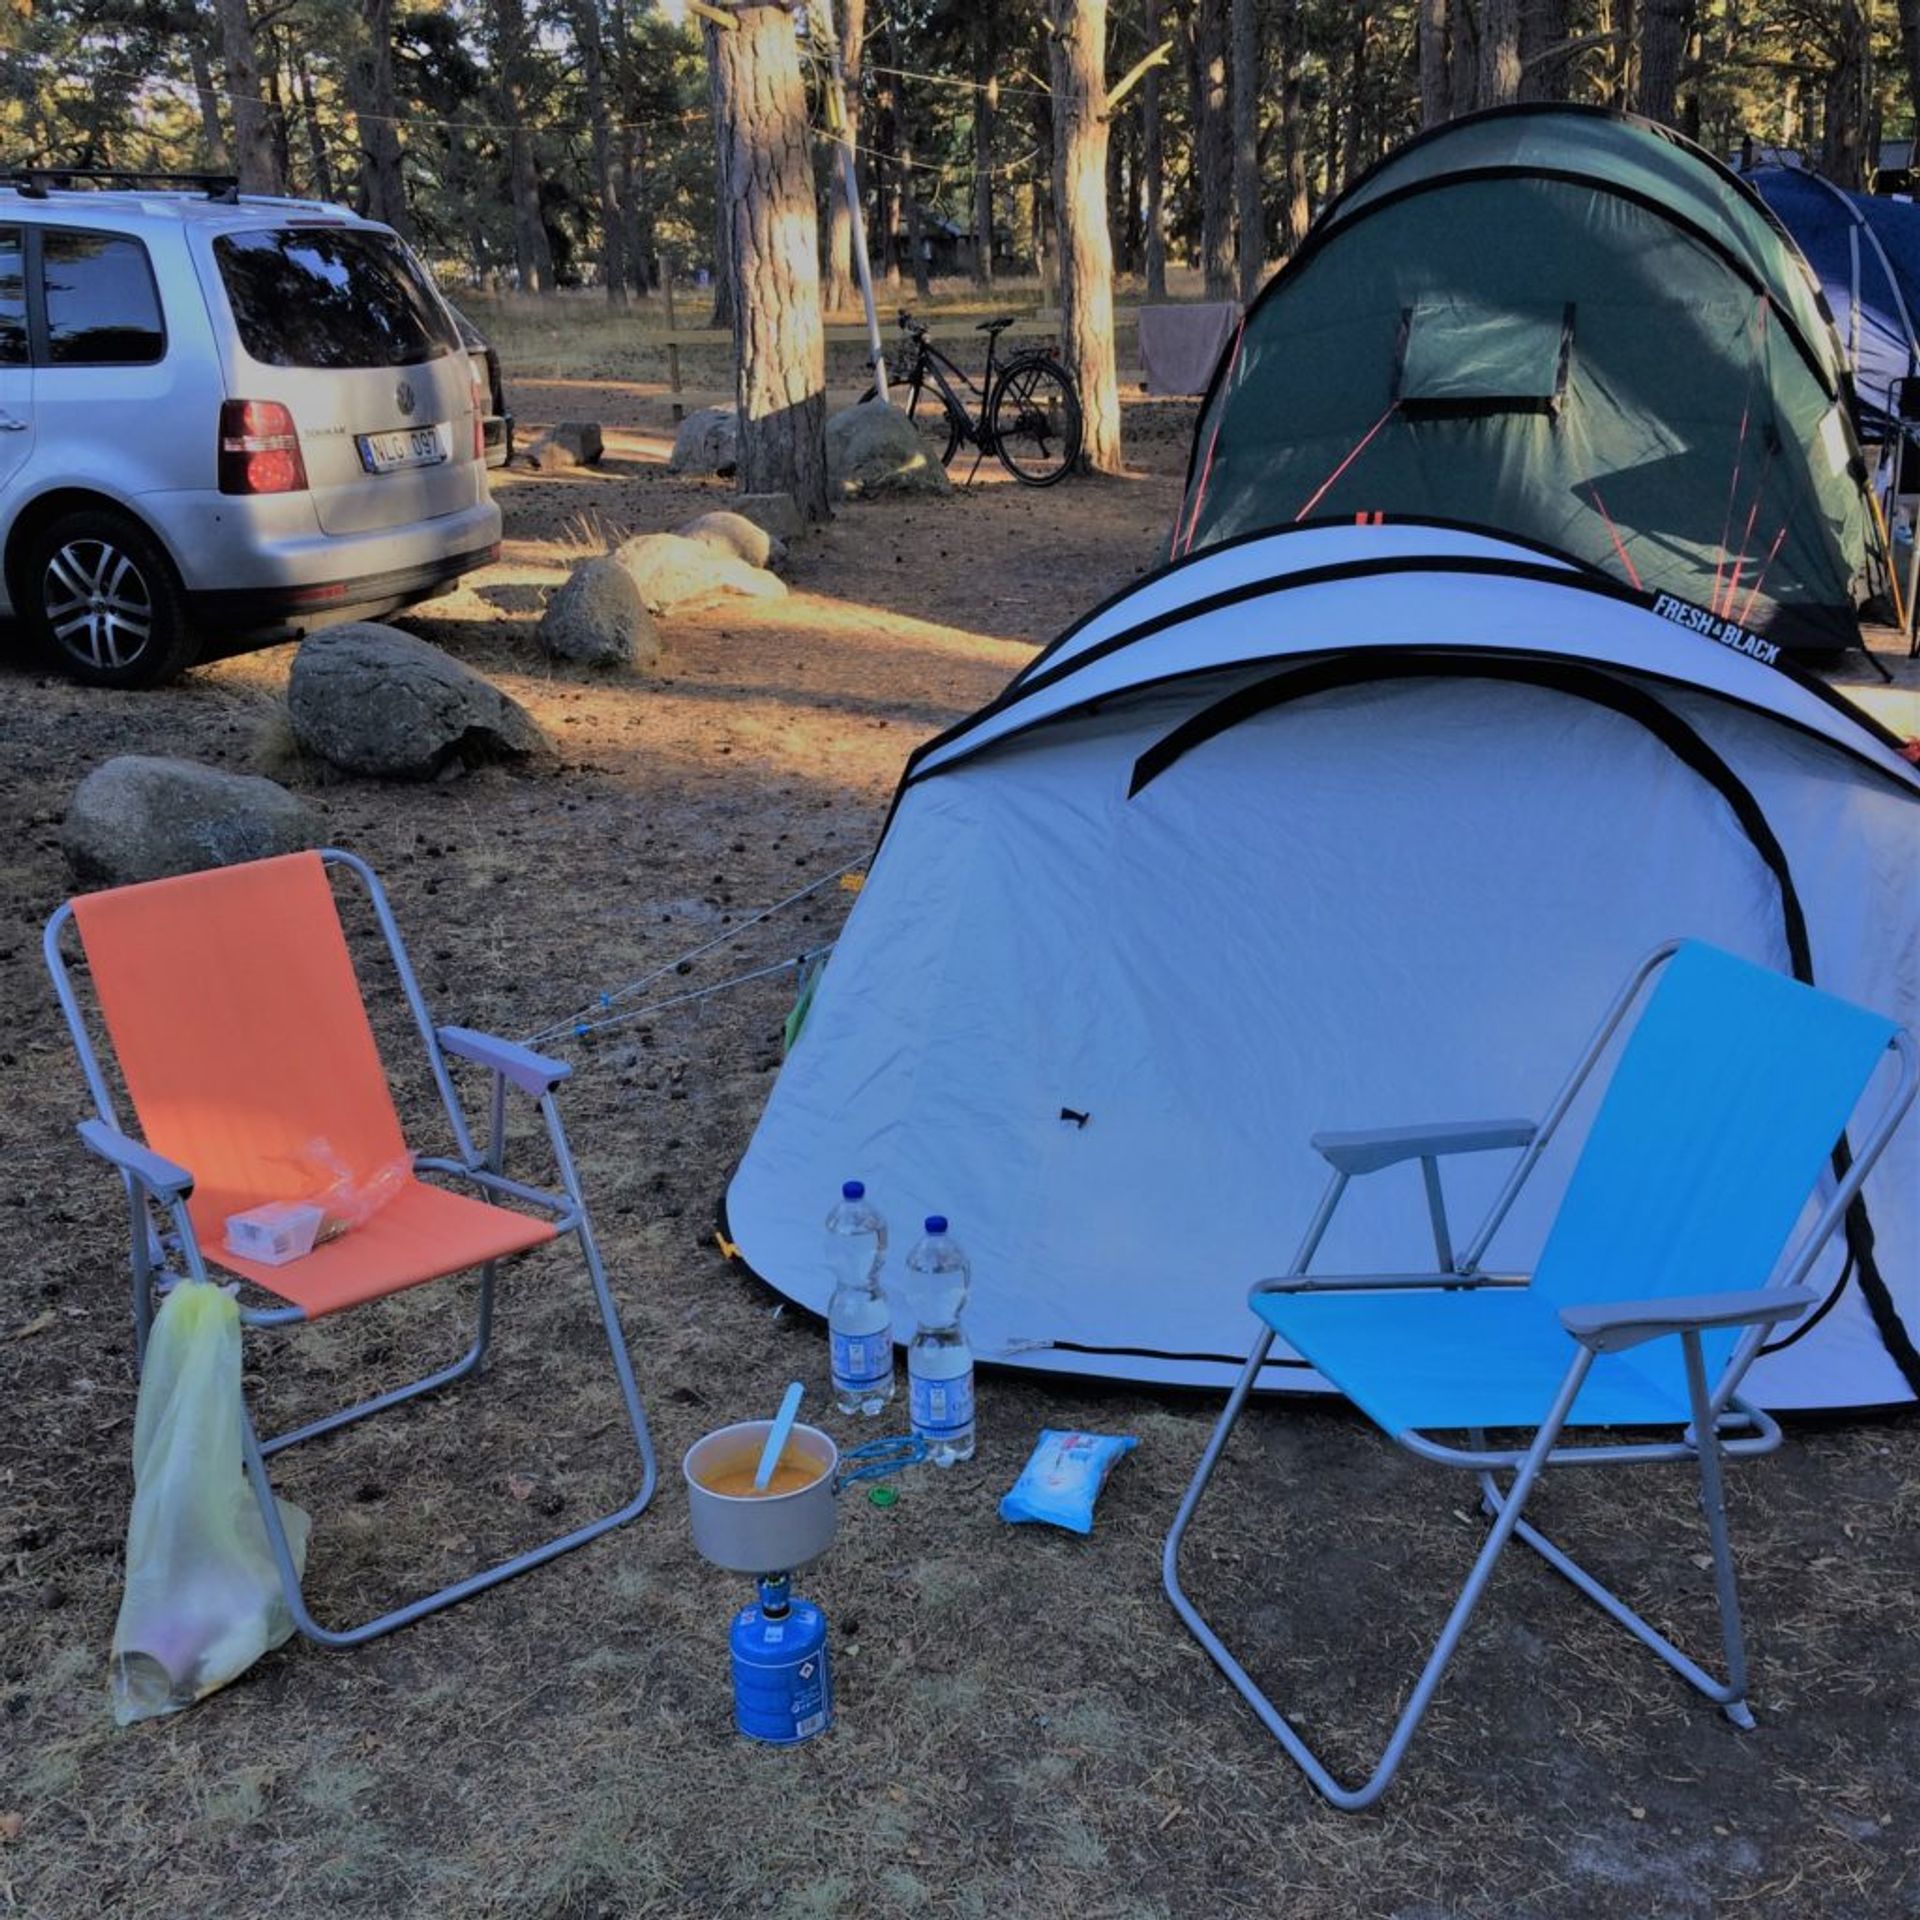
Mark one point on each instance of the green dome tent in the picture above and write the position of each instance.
(1572, 327)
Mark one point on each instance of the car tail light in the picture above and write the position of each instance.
(259, 449)
(477, 387)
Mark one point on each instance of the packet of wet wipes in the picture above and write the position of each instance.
(1060, 1483)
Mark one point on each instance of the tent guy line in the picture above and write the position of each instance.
(577, 1022)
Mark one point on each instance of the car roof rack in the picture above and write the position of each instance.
(35, 183)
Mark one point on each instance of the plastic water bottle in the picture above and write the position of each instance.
(859, 1322)
(940, 1362)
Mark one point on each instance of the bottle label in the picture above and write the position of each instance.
(862, 1361)
(940, 1407)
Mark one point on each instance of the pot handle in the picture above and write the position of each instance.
(880, 1458)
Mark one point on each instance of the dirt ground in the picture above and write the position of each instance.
(1023, 1727)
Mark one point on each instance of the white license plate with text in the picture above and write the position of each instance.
(411, 447)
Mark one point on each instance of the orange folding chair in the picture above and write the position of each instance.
(233, 1011)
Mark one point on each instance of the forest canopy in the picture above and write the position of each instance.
(548, 143)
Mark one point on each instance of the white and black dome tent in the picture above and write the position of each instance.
(1340, 826)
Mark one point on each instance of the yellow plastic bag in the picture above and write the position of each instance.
(203, 1599)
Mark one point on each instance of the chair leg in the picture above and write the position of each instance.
(468, 1363)
(491, 1576)
(1352, 1799)
(1729, 1695)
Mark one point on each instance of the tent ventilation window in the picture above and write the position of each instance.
(1460, 357)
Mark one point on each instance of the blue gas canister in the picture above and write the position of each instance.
(782, 1690)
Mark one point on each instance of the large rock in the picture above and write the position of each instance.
(708, 442)
(873, 449)
(574, 443)
(142, 817)
(598, 618)
(734, 533)
(672, 572)
(372, 700)
(778, 513)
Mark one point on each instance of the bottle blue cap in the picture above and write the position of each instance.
(853, 1190)
(936, 1223)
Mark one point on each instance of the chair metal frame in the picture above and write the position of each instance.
(165, 1250)
(1733, 1426)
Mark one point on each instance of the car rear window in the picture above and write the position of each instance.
(314, 297)
(103, 309)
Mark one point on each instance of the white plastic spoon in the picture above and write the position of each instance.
(777, 1436)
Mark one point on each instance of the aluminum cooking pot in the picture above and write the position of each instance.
(764, 1532)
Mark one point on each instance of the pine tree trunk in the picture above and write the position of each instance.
(986, 106)
(254, 157)
(1352, 148)
(1153, 160)
(532, 253)
(1212, 143)
(766, 193)
(1295, 206)
(1843, 156)
(884, 225)
(277, 117)
(593, 69)
(1665, 28)
(1623, 83)
(1249, 215)
(1463, 56)
(1498, 84)
(842, 279)
(381, 193)
(907, 173)
(1435, 105)
(316, 138)
(212, 145)
(1078, 59)
(1545, 27)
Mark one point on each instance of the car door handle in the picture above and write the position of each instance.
(8, 424)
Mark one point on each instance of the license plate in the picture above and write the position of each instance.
(413, 447)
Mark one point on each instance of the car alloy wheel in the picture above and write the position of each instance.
(98, 604)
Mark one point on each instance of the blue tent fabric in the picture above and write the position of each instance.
(1865, 252)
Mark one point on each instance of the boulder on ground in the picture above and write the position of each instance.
(597, 618)
(672, 571)
(734, 533)
(708, 442)
(573, 443)
(873, 448)
(372, 700)
(145, 817)
(778, 513)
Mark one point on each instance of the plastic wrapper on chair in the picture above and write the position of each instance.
(203, 1599)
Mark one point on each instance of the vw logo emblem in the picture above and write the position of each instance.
(403, 396)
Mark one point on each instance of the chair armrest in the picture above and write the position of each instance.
(1372, 1148)
(1617, 1324)
(531, 1072)
(154, 1171)
(1385, 1283)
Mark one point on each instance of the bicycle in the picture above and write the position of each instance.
(1029, 411)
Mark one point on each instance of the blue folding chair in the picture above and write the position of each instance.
(1666, 1265)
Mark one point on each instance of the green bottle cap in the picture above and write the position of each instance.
(882, 1496)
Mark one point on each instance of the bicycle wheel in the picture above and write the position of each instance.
(1034, 420)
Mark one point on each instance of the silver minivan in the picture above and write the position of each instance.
(224, 421)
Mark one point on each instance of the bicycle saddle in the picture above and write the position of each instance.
(908, 324)
(994, 326)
